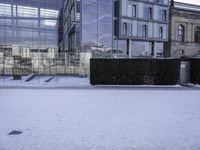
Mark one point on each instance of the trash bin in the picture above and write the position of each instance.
(185, 72)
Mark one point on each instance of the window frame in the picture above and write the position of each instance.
(125, 28)
(161, 32)
(164, 15)
(144, 31)
(181, 33)
(197, 35)
(150, 13)
(134, 11)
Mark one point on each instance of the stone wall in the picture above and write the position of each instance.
(190, 20)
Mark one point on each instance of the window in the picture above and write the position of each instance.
(182, 52)
(181, 33)
(161, 32)
(78, 7)
(116, 9)
(5, 10)
(164, 15)
(150, 13)
(134, 10)
(48, 23)
(197, 35)
(131, 10)
(159, 1)
(124, 28)
(24, 11)
(25, 52)
(144, 33)
(48, 13)
(116, 28)
(129, 28)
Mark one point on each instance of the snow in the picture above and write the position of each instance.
(94, 119)
(68, 82)
(39, 81)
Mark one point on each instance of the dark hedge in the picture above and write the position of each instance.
(134, 71)
(195, 70)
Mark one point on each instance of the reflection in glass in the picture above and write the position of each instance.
(24, 23)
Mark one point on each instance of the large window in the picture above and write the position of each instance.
(197, 35)
(97, 24)
(181, 33)
(22, 22)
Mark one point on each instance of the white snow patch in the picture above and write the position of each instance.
(100, 119)
(39, 81)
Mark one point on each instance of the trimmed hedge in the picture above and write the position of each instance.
(134, 71)
(195, 70)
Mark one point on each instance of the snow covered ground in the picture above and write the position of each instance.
(109, 119)
(49, 82)
(41, 81)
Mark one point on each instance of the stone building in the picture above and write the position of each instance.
(184, 31)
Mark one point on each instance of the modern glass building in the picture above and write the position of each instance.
(115, 28)
(30, 23)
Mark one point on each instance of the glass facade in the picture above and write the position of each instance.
(149, 13)
(71, 20)
(30, 23)
(146, 24)
(97, 26)
(115, 28)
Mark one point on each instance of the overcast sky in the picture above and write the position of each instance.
(197, 2)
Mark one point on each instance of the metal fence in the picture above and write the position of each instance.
(42, 64)
(54, 70)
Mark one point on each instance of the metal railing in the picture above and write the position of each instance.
(68, 64)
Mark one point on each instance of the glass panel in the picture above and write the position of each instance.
(22, 27)
(48, 13)
(5, 10)
(48, 23)
(130, 10)
(27, 23)
(134, 10)
(89, 24)
(24, 11)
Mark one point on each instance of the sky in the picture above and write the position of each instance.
(197, 2)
